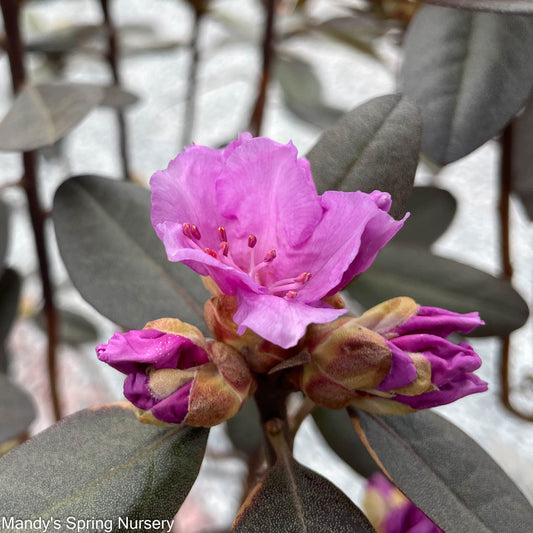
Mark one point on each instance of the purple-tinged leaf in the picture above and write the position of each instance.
(445, 473)
(469, 73)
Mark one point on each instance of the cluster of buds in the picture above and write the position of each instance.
(393, 359)
(175, 376)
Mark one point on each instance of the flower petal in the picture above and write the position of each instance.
(403, 370)
(270, 193)
(174, 409)
(280, 321)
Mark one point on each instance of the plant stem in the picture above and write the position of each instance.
(271, 398)
(256, 119)
(113, 60)
(192, 80)
(10, 12)
(507, 268)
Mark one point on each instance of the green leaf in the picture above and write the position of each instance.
(75, 38)
(73, 328)
(432, 210)
(43, 114)
(114, 257)
(102, 463)
(522, 157)
(337, 430)
(374, 146)
(244, 429)
(445, 473)
(16, 412)
(292, 498)
(118, 98)
(517, 7)
(469, 73)
(401, 270)
(9, 297)
(356, 31)
(302, 91)
(4, 219)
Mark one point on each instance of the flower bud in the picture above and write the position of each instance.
(175, 376)
(345, 358)
(393, 359)
(261, 355)
(390, 511)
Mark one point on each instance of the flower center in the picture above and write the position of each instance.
(287, 288)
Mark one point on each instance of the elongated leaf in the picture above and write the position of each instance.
(374, 146)
(16, 411)
(102, 463)
(118, 98)
(73, 328)
(469, 73)
(401, 270)
(445, 473)
(337, 429)
(292, 499)
(43, 114)
(114, 257)
(517, 7)
(3, 233)
(432, 210)
(75, 38)
(9, 296)
(303, 93)
(522, 157)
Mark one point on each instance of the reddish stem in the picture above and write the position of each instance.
(256, 119)
(15, 50)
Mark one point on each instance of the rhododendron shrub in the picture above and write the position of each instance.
(252, 288)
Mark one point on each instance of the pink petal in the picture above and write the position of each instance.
(270, 193)
(280, 321)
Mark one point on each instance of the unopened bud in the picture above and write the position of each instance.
(174, 376)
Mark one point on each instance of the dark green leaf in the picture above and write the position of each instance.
(102, 463)
(522, 157)
(16, 412)
(356, 31)
(73, 328)
(75, 38)
(3, 233)
(118, 98)
(445, 473)
(244, 429)
(303, 93)
(518, 7)
(114, 257)
(401, 270)
(469, 73)
(292, 498)
(432, 210)
(337, 429)
(43, 114)
(374, 146)
(9, 296)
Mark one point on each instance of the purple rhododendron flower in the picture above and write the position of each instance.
(416, 336)
(136, 352)
(249, 217)
(391, 512)
(175, 376)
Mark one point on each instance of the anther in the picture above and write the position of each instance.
(222, 234)
(270, 256)
(187, 230)
(304, 277)
(210, 252)
(196, 232)
(291, 294)
(224, 248)
(252, 240)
